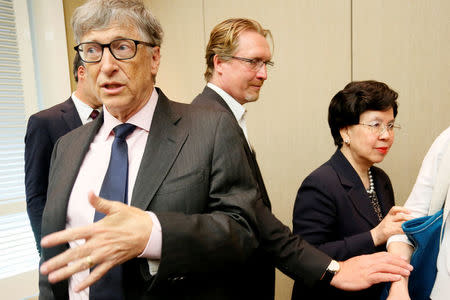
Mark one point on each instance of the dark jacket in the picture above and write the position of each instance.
(43, 130)
(184, 178)
(333, 212)
(278, 246)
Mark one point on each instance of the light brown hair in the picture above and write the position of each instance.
(224, 40)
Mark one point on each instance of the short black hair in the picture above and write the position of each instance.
(357, 97)
(77, 62)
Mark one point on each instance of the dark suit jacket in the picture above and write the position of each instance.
(333, 212)
(43, 130)
(278, 246)
(199, 185)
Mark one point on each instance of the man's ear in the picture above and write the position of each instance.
(156, 58)
(81, 72)
(218, 64)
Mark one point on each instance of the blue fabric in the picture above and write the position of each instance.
(114, 187)
(425, 234)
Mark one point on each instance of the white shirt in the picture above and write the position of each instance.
(92, 172)
(238, 109)
(84, 110)
(419, 202)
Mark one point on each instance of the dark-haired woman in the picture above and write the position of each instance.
(346, 206)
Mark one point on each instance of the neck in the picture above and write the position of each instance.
(217, 82)
(85, 99)
(360, 168)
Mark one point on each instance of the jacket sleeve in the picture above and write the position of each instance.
(38, 150)
(291, 254)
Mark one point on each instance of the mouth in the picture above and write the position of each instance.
(382, 150)
(112, 87)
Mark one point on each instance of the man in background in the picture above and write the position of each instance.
(43, 130)
(237, 58)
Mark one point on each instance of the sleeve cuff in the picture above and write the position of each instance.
(399, 238)
(154, 244)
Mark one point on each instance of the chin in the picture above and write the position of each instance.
(377, 160)
(251, 98)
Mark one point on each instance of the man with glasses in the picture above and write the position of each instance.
(182, 218)
(43, 130)
(237, 58)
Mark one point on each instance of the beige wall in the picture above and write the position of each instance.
(52, 71)
(320, 45)
(69, 7)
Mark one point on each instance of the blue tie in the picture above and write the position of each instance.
(114, 187)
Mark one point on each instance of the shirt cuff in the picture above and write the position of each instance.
(154, 244)
(399, 238)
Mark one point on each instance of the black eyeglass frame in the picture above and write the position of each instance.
(103, 46)
(253, 61)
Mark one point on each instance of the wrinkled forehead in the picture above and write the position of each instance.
(117, 24)
(111, 31)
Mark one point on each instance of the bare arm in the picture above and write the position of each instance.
(399, 289)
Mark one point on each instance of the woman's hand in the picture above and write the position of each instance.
(390, 225)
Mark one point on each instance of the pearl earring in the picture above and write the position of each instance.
(347, 141)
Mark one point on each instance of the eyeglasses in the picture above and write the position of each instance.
(121, 49)
(380, 128)
(255, 63)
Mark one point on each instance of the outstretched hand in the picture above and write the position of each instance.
(361, 272)
(120, 236)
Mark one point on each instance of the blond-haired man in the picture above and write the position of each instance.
(237, 57)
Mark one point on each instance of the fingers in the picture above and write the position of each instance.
(387, 259)
(67, 235)
(399, 209)
(70, 261)
(94, 276)
(70, 269)
(391, 269)
(399, 261)
(100, 204)
(383, 277)
(104, 206)
(400, 217)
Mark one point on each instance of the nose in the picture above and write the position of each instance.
(108, 62)
(385, 133)
(262, 72)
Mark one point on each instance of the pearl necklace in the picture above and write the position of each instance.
(373, 198)
(371, 188)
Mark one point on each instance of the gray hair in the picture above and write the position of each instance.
(99, 14)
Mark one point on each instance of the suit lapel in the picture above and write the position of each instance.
(354, 187)
(164, 142)
(383, 192)
(70, 115)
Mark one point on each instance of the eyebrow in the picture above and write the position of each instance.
(113, 39)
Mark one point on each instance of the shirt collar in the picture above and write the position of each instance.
(142, 119)
(237, 108)
(84, 110)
